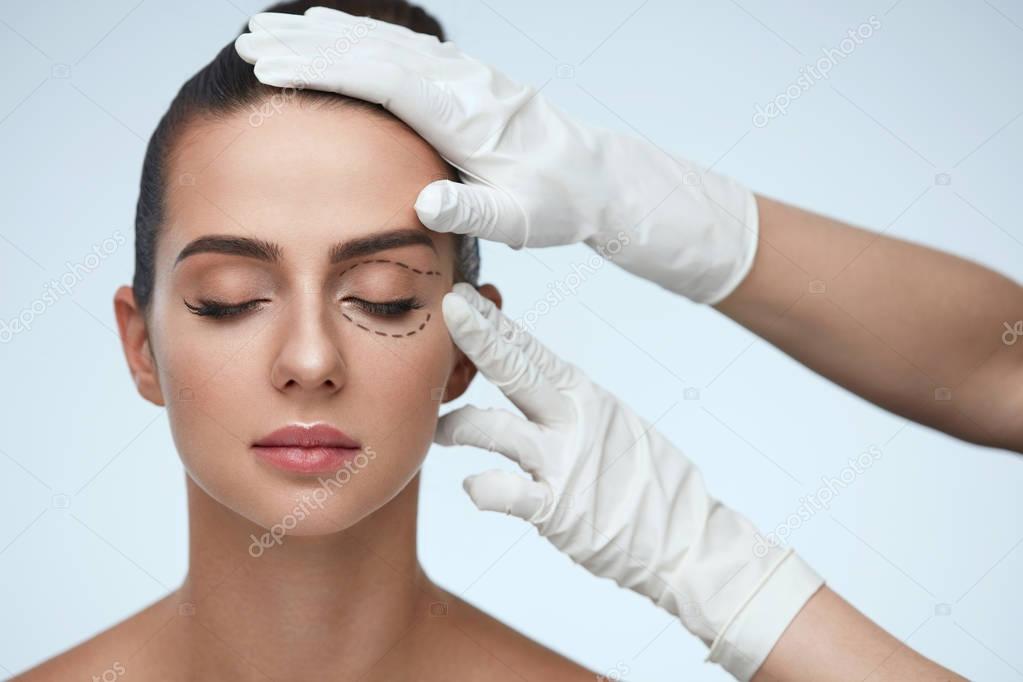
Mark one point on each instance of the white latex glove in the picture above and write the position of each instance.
(612, 493)
(532, 175)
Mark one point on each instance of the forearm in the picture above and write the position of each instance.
(830, 641)
(914, 330)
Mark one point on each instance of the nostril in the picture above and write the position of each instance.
(300, 367)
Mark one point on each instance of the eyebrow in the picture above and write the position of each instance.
(271, 252)
(363, 246)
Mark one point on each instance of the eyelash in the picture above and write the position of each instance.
(387, 308)
(221, 309)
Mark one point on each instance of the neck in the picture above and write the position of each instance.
(307, 604)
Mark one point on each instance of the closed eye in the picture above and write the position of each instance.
(207, 307)
(393, 308)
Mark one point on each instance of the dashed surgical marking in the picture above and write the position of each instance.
(380, 333)
(433, 273)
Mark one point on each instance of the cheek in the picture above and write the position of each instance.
(213, 384)
(209, 370)
(397, 384)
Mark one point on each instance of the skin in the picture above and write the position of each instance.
(344, 591)
(896, 322)
(830, 641)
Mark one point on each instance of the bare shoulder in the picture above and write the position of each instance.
(452, 640)
(113, 653)
(456, 640)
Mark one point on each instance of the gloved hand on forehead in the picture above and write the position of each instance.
(615, 495)
(532, 175)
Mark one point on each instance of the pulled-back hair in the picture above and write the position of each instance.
(228, 85)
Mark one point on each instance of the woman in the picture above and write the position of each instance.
(285, 309)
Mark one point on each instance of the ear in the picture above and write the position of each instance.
(131, 323)
(464, 371)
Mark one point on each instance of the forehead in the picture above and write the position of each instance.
(301, 176)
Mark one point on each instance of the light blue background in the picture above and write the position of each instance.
(91, 490)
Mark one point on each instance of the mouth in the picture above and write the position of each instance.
(314, 449)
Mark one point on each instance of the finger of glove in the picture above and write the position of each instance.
(433, 58)
(477, 210)
(504, 491)
(554, 367)
(322, 48)
(355, 30)
(492, 429)
(399, 33)
(275, 21)
(499, 360)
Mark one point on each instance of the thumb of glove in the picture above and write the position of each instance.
(477, 210)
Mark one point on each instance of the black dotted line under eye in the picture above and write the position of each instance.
(407, 267)
(380, 333)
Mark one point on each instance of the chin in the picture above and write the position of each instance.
(281, 505)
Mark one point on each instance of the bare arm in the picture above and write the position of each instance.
(914, 330)
(830, 641)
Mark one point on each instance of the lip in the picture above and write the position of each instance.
(312, 449)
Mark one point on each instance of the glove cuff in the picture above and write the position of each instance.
(697, 239)
(745, 236)
(748, 637)
(725, 239)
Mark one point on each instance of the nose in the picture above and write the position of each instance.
(309, 358)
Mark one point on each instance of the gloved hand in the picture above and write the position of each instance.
(615, 495)
(532, 175)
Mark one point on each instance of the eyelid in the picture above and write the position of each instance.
(373, 279)
(229, 276)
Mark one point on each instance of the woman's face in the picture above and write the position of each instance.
(308, 220)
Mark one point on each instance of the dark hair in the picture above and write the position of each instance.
(226, 86)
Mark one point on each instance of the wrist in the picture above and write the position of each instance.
(696, 236)
(748, 637)
(727, 587)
